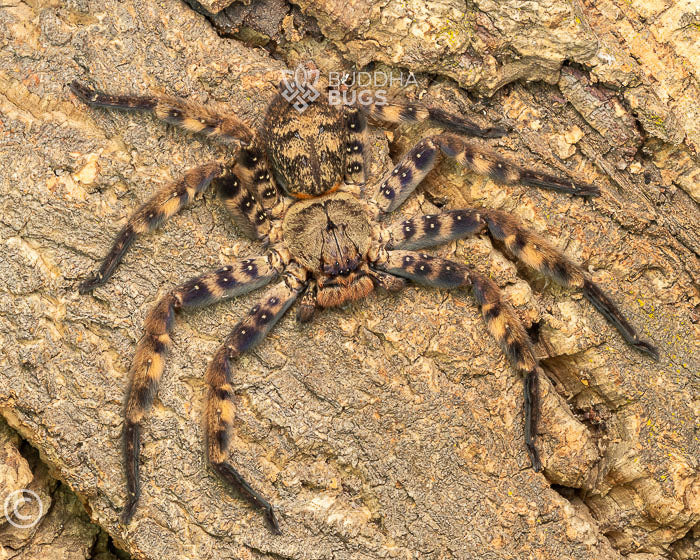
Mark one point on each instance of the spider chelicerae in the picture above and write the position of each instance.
(297, 183)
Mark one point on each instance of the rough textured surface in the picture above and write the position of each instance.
(391, 428)
(59, 527)
(650, 48)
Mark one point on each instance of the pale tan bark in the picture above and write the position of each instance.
(392, 428)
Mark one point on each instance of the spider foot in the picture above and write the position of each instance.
(532, 414)
(542, 180)
(82, 92)
(129, 509)
(609, 310)
(647, 348)
(272, 520)
(232, 476)
(90, 283)
(534, 457)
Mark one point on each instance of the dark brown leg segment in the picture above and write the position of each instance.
(165, 203)
(220, 377)
(505, 172)
(149, 360)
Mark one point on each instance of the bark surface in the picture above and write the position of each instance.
(393, 427)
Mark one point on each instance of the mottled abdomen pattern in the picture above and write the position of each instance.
(306, 149)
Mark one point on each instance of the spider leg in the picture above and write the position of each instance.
(165, 203)
(406, 176)
(525, 245)
(148, 364)
(244, 205)
(308, 304)
(430, 230)
(398, 184)
(355, 150)
(396, 113)
(212, 120)
(220, 378)
(254, 170)
(387, 281)
(539, 255)
(501, 321)
(505, 172)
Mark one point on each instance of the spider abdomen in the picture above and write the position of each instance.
(305, 148)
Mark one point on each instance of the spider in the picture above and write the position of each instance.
(298, 184)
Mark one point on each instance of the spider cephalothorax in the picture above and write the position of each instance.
(330, 236)
(295, 184)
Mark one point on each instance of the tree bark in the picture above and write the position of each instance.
(393, 427)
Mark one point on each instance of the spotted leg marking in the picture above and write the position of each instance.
(244, 205)
(539, 255)
(149, 360)
(434, 229)
(254, 169)
(398, 184)
(220, 378)
(165, 203)
(356, 146)
(501, 322)
(401, 181)
(526, 246)
(395, 113)
(211, 120)
(505, 172)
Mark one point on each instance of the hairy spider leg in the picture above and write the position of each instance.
(396, 113)
(253, 168)
(220, 378)
(245, 206)
(211, 120)
(167, 202)
(501, 321)
(525, 245)
(356, 163)
(307, 303)
(250, 205)
(401, 181)
(149, 359)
